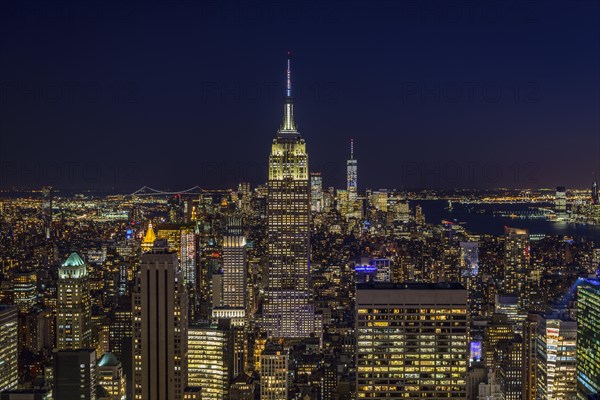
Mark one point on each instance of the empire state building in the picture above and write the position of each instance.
(288, 308)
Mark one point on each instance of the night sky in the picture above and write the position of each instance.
(173, 93)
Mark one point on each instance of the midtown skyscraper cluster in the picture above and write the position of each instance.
(294, 290)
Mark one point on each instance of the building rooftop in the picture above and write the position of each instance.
(73, 261)
(73, 268)
(273, 349)
(243, 378)
(150, 236)
(108, 360)
(409, 286)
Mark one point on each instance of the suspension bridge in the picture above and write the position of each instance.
(196, 190)
(148, 191)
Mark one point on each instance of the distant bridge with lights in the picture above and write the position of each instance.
(196, 190)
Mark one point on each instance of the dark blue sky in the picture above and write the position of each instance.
(175, 93)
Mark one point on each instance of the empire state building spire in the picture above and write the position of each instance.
(289, 76)
(288, 113)
(288, 308)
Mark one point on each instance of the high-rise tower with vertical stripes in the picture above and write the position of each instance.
(160, 325)
(288, 309)
(235, 274)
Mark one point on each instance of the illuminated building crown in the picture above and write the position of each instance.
(73, 268)
(150, 235)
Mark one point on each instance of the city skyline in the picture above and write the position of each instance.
(155, 246)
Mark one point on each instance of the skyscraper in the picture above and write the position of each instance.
(24, 287)
(352, 174)
(411, 341)
(74, 307)
(111, 377)
(120, 332)
(274, 372)
(509, 367)
(210, 359)
(496, 330)
(74, 374)
(160, 327)
(588, 338)
(316, 192)
(47, 210)
(469, 258)
(288, 309)
(188, 254)
(239, 331)
(245, 198)
(516, 261)
(9, 332)
(530, 333)
(234, 266)
(469, 270)
(556, 357)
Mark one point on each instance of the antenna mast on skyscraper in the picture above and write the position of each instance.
(289, 75)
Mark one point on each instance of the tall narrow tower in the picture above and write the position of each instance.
(588, 345)
(160, 327)
(352, 174)
(235, 272)
(47, 210)
(288, 308)
(516, 260)
(74, 307)
(9, 352)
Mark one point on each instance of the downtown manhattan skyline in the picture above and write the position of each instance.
(466, 95)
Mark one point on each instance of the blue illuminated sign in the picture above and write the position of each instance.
(365, 268)
(476, 351)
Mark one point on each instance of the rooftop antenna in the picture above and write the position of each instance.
(289, 75)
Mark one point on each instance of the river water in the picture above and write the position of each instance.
(484, 218)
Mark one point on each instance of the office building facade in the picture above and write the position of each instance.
(160, 327)
(411, 341)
